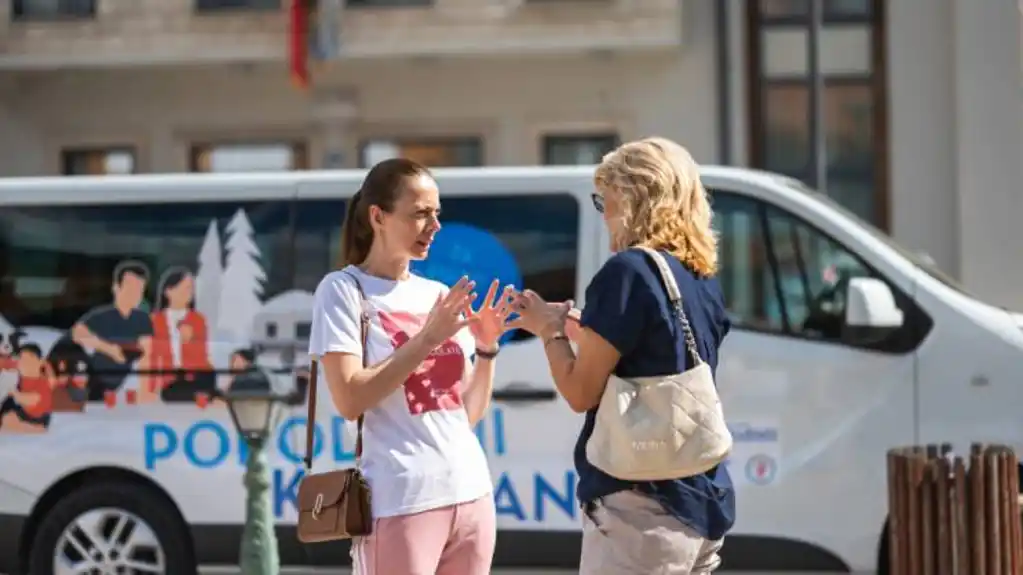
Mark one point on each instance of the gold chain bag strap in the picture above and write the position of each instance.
(336, 504)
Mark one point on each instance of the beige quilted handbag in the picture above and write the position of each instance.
(664, 427)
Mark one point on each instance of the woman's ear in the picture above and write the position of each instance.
(376, 216)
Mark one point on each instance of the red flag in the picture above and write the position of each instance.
(298, 42)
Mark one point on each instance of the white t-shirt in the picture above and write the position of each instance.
(419, 452)
(174, 317)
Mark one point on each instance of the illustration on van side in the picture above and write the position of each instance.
(202, 327)
(177, 334)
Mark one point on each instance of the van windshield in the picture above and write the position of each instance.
(917, 259)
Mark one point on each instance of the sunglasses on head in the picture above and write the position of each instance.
(598, 202)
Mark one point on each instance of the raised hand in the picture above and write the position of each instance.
(490, 317)
(446, 317)
(537, 316)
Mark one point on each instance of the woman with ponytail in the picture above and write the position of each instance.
(430, 376)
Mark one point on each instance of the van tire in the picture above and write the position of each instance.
(132, 498)
(882, 553)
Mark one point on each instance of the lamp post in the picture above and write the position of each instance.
(255, 410)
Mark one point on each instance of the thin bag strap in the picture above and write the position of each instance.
(364, 328)
(310, 425)
(310, 435)
(675, 296)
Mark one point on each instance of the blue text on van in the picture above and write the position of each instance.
(162, 442)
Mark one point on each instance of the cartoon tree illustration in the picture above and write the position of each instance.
(241, 285)
(208, 275)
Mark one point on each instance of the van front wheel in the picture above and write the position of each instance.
(114, 528)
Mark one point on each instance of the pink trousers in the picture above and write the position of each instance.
(454, 540)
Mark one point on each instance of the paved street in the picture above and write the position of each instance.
(348, 572)
(236, 571)
(498, 572)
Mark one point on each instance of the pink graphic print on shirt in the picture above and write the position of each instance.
(434, 386)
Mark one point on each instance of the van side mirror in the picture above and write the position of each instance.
(870, 310)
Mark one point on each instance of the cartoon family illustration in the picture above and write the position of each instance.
(200, 327)
(27, 408)
(164, 350)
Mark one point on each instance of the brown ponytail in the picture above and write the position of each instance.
(381, 187)
(356, 233)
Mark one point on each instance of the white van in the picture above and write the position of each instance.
(843, 345)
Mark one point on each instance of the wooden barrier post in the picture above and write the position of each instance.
(947, 517)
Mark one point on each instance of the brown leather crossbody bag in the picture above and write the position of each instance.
(336, 504)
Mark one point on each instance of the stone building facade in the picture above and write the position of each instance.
(921, 104)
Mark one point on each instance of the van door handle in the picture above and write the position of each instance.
(522, 392)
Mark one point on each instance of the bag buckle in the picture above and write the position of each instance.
(317, 506)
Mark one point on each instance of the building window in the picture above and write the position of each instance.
(97, 161)
(432, 152)
(834, 10)
(851, 57)
(218, 5)
(52, 9)
(387, 3)
(573, 150)
(249, 157)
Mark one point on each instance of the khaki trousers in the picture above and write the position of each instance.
(631, 534)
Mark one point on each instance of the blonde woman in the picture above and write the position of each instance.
(650, 194)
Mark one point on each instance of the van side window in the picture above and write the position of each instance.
(780, 274)
(745, 272)
(134, 303)
(813, 271)
(529, 237)
(59, 262)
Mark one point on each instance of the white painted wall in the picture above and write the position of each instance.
(956, 139)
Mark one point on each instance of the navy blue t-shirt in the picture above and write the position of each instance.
(627, 304)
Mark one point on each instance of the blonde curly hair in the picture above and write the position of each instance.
(656, 185)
